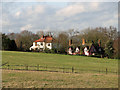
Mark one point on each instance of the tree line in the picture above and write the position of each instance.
(109, 38)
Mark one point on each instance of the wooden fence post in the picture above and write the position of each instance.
(116, 72)
(63, 69)
(26, 67)
(46, 67)
(38, 67)
(8, 66)
(22, 85)
(106, 70)
(72, 69)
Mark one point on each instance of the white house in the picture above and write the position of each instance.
(70, 51)
(77, 50)
(45, 42)
(86, 51)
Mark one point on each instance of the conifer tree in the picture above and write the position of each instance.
(109, 50)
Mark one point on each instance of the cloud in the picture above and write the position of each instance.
(70, 10)
(116, 16)
(17, 13)
(5, 19)
(40, 16)
(28, 11)
(39, 9)
(33, 10)
(110, 22)
(94, 5)
(26, 27)
(10, 30)
(77, 8)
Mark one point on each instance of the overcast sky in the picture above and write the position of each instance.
(59, 16)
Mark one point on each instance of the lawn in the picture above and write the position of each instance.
(86, 79)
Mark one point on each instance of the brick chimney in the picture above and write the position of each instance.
(42, 37)
(83, 42)
(99, 42)
(70, 42)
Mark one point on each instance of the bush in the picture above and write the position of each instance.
(53, 51)
(47, 51)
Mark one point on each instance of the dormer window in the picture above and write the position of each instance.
(41, 44)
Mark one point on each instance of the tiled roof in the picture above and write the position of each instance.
(47, 39)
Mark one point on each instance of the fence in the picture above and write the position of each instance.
(55, 69)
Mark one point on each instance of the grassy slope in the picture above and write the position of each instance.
(80, 62)
(40, 79)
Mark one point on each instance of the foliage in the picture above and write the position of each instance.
(47, 50)
(25, 39)
(109, 50)
(95, 34)
(116, 47)
(54, 50)
(8, 44)
(62, 42)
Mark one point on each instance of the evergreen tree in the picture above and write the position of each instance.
(109, 50)
(8, 44)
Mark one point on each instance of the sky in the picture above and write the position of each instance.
(57, 16)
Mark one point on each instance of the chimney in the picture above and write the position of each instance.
(70, 42)
(83, 42)
(42, 37)
(99, 42)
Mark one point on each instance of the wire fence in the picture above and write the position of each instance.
(55, 69)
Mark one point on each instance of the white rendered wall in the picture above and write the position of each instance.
(45, 45)
(33, 43)
(49, 47)
(41, 46)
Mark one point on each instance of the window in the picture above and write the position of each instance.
(41, 44)
(48, 44)
(35, 43)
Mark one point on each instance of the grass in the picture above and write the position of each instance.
(57, 60)
(28, 79)
(35, 79)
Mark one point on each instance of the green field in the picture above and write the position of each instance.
(84, 63)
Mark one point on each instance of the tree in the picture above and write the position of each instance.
(8, 44)
(25, 39)
(40, 33)
(99, 33)
(5, 42)
(0, 41)
(109, 50)
(12, 36)
(62, 42)
(116, 45)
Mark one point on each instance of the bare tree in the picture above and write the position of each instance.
(25, 39)
(62, 42)
(40, 33)
(95, 34)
